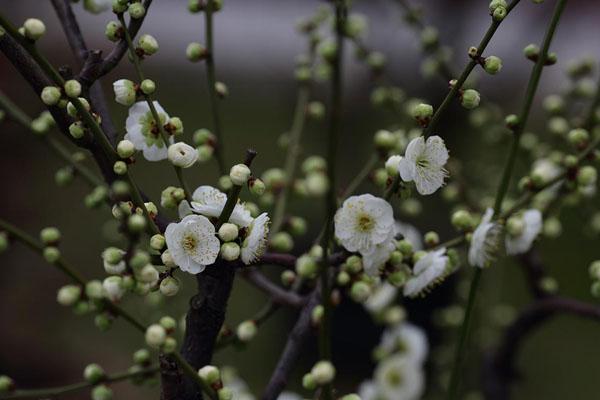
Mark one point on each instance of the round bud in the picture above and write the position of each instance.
(68, 295)
(157, 242)
(113, 288)
(228, 232)
(316, 184)
(470, 99)
(230, 251)
(595, 290)
(113, 31)
(50, 95)
(494, 4)
(195, 52)
(210, 374)
(532, 52)
(225, 393)
(168, 323)
(578, 137)
(148, 274)
(34, 28)
(385, 140)
(182, 155)
(323, 372)
(288, 277)
(205, 152)
(6, 384)
(136, 223)
(515, 226)
(93, 290)
(139, 259)
(148, 43)
(297, 226)
(432, 239)
(317, 314)
(392, 164)
(50, 235)
(492, 65)
(587, 175)
(148, 86)
(203, 136)
(155, 336)
(462, 220)
(315, 110)
(257, 187)
(360, 291)
(93, 373)
(500, 13)
(72, 88)
(76, 130)
(594, 270)
(422, 111)
(136, 10)
(169, 286)
(102, 392)
(125, 148)
(282, 242)
(125, 92)
(167, 259)
(221, 89)
(354, 264)
(120, 167)
(306, 267)
(239, 174)
(51, 254)
(142, 357)
(308, 382)
(328, 50)
(246, 331)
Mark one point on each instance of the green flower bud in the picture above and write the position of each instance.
(578, 137)
(228, 232)
(385, 140)
(113, 31)
(195, 52)
(429, 37)
(282, 242)
(155, 336)
(306, 267)
(549, 285)
(532, 52)
(203, 136)
(93, 373)
(595, 290)
(315, 110)
(343, 278)
(314, 164)
(142, 357)
(554, 104)
(308, 382)
(7, 385)
(157, 242)
(432, 239)
(552, 227)
(422, 112)
(72, 88)
(221, 89)
(297, 226)
(50, 236)
(511, 121)
(587, 175)
(136, 223)
(72, 110)
(328, 50)
(139, 259)
(76, 130)
(494, 4)
(147, 43)
(380, 177)
(120, 167)
(93, 290)
(169, 286)
(492, 65)
(246, 331)
(33, 28)
(354, 264)
(558, 125)
(51, 254)
(288, 277)
(148, 86)
(470, 99)
(230, 251)
(68, 295)
(360, 291)
(274, 178)
(50, 95)
(239, 174)
(119, 6)
(316, 184)
(398, 278)
(210, 374)
(499, 13)
(225, 393)
(137, 11)
(303, 74)
(462, 220)
(125, 148)
(594, 270)
(323, 372)
(515, 226)
(257, 187)
(103, 322)
(205, 153)
(169, 346)
(376, 61)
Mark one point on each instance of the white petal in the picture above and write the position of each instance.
(435, 151)
(522, 243)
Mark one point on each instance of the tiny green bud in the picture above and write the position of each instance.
(120, 167)
(155, 336)
(470, 99)
(308, 382)
(432, 239)
(34, 28)
(328, 50)
(230, 251)
(125, 148)
(578, 137)
(102, 392)
(210, 374)
(147, 43)
(385, 140)
(297, 226)
(93, 290)
(532, 52)
(323, 372)
(511, 121)
(169, 346)
(93, 373)
(246, 331)
(354, 264)
(306, 267)
(169, 286)
(72, 88)
(50, 236)
(499, 13)
(103, 322)
(422, 112)
(50, 95)
(68, 295)
(494, 4)
(492, 65)
(315, 110)
(157, 242)
(221, 89)
(595, 290)
(142, 357)
(228, 232)
(360, 291)
(282, 242)
(317, 314)
(288, 277)
(136, 223)
(76, 130)
(225, 393)
(239, 174)
(136, 10)
(6, 384)
(113, 31)
(51, 254)
(594, 270)
(195, 52)
(148, 86)
(515, 226)
(462, 220)
(587, 175)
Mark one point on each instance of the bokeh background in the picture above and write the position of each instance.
(43, 344)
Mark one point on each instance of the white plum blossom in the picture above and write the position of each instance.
(410, 234)
(532, 225)
(423, 163)
(209, 201)
(143, 132)
(192, 243)
(485, 241)
(124, 92)
(399, 378)
(408, 339)
(383, 295)
(363, 222)
(378, 256)
(368, 391)
(428, 271)
(255, 243)
(182, 155)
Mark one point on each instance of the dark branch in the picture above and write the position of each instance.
(276, 293)
(535, 272)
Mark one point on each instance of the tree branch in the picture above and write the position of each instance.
(277, 294)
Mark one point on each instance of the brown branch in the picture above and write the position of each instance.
(535, 272)
(293, 347)
(500, 370)
(276, 293)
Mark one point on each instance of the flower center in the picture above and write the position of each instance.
(189, 243)
(365, 223)
(394, 377)
(422, 162)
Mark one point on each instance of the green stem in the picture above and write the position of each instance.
(465, 73)
(291, 157)
(212, 81)
(234, 194)
(453, 392)
(150, 101)
(74, 387)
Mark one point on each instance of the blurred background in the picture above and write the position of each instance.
(43, 344)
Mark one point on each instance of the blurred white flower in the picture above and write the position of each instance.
(382, 296)
(428, 271)
(485, 242)
(400, 378)
(378, 256)
(423, 163)
(532, 225)
(407, 339)
(363, 222)
(192, 243)
(409, 233)
(143, 132)
(255, 243)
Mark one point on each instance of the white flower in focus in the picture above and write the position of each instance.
(143, 132)
(182, 155)
(363, 222)
(485, 241)
(192, 243)
(532, 225)
(427, 272)
(208, 201)
(97, 6)
(423, 163)
(124, 92)
(399, 378)
(409, 233)
(255, 243)
(378, 256)
(382, 296)
(408, 339)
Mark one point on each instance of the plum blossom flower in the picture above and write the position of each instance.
(182, 155)
(399, 377)
(192, 243)
(428, 271)
(124, 92)
(383, 295)
(209, 201)
(363, 222)
(485, 241)
(532, 225)
(423, 163)
(378, 256)
(255, 243)
(143, 132)
(408, 339)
